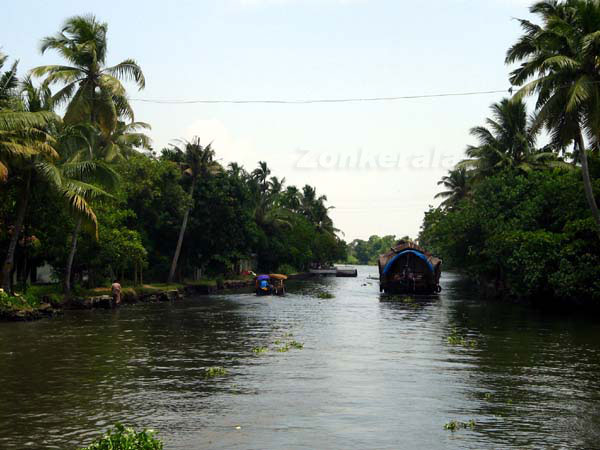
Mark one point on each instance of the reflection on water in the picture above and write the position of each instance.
(375, 372)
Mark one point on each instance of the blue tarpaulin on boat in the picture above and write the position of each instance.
(263, 277)
(414, 252)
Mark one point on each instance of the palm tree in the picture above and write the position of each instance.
(8, 82)
(21, 126)
(261, 175)
(457, 185)
(560, 62)
(93, 91)
(291, 198)
(196, 161)
(84, 171)
(276, 185)
(508, 141)
(125, 140)
(41, 168)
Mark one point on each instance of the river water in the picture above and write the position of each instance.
(374, 372)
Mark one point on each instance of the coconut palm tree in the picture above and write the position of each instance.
(22, 132)
(261, 175)
(8, 82)
(93, 91)
(507, 141)
(86, 173)
(196, 161)
(44, 168)
(125, 140)
(290, 198)
(457, 187)
(560, 63)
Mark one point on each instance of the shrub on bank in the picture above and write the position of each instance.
(287, 269)
(122, 438)
(18, 301)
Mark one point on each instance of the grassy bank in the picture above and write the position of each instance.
(49, 297)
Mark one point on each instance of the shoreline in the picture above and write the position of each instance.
(148, 293)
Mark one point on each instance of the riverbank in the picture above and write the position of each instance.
(42, 301)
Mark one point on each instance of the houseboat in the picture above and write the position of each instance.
(409, 269)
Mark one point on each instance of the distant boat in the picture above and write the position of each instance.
(272, 284)
(408, 268)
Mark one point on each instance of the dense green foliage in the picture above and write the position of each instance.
(367, 252)
(88, 195)
(531, 235)
(521, 219)
(122, 438)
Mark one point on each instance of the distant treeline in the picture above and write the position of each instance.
(367, 252)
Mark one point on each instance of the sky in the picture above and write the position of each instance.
(378, 163)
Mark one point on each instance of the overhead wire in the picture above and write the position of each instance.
(318, 100)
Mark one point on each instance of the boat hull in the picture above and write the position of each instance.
(409, 269)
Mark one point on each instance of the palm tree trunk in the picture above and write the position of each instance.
(587, 182)
(69, 267)
(12, 246)
(181, 234)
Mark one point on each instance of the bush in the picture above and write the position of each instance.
(122, 438)
(530, 236)
(286, 269)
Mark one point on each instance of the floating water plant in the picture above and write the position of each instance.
(296, 344)
(325, 295)
(456, 339)
(455, 425)
(283, 348)
(212, 372)
(126, 438)
(259, 350)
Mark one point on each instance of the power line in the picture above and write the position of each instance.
(321, 100)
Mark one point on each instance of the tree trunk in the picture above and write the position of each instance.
(9, 262)
(587, 182)
(67, 286)
(181, 234)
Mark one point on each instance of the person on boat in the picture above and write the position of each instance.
(264, 284)
(116, 293)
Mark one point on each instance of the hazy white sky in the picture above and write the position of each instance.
(378, 163)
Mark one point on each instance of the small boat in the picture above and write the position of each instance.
(278, 283)
(272, 284)
(409, 269)
(263, 285)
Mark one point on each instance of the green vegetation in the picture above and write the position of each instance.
(87, 194)
(325, 295)
(212, 372)
(296, 345)
(367, 252)
(455, 425)
(456, 339)
(259, 350)
(519, 218)
(122, 438)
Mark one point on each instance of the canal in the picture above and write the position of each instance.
(373, 372)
